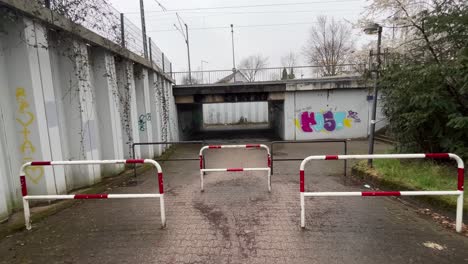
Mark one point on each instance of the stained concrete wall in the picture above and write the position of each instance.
(233, 113)
(328, 114)
(63, 99)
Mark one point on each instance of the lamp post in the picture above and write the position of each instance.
(373, 29)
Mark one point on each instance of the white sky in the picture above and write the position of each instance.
(214, 45)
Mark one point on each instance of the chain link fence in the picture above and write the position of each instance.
(103, 19)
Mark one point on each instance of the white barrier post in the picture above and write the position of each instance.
(459, 192)
(203, 170)
(26, 197)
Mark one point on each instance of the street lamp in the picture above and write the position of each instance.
(372, 29)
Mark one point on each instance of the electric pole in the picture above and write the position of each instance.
(143, 29)
(233, 54)
(188, 53)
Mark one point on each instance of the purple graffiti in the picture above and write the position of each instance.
(354, 115)
(307, 121)
(330, 123)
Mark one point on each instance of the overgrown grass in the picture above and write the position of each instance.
(424, 175)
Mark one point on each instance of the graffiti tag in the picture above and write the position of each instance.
(25, 118)
(327, 121)
(142, 120)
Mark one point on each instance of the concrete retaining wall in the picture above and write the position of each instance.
(63, 99)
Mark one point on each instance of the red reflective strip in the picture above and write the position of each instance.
(301, 181)
(40, 163)
(269, 161)
(331, 157)
(24, 188)
(133, 161)
(437, 155)
(381, 193)
(161, 182)
(461, 178)
(201, 162)
(235, 169)
(90, 196)
(214, 147)
(252, 145)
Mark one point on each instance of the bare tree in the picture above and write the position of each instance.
(289, 60)
(252, 65)
(329, 45)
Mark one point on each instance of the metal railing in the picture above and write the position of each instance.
(267, 74)
(103, 19)
(273, 159)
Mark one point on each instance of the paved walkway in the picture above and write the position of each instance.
(236, 220)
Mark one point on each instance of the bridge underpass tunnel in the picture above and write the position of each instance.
(260, 120)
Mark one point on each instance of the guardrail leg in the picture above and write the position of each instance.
(459, 217)
(27, 214)
(201, 180)
(302, 211)
(163, 211)
(269, 180)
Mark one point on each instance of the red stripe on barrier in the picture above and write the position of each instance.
(381, 193)
(134, 161)
(161, 183)
(252, 145)
(301, 181)
(214, 147)
(437, 155)
(201, 162)
(90, 196)
(269, 161)
(235, 169)
(24, 188)
(331, 157)
(40, 163)
(461, 178)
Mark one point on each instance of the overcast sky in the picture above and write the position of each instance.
(271, 28)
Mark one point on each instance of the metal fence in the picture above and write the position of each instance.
(267, 74)
(103, 19)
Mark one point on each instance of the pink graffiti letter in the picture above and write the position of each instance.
(307, 121)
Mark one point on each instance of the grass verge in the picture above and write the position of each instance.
(413, 175)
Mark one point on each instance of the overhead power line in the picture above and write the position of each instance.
(241, 26)
(220, 13)
(249, 6)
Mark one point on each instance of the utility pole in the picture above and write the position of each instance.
(186, 38)
(233, 54)
(188, 53)
(143, 28)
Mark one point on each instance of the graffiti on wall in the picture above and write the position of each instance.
(142, 120)
(25, 118)
(326, 121)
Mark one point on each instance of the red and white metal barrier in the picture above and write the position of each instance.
(458, 192)
(268, 170)
(247, 146)
(27, 198)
